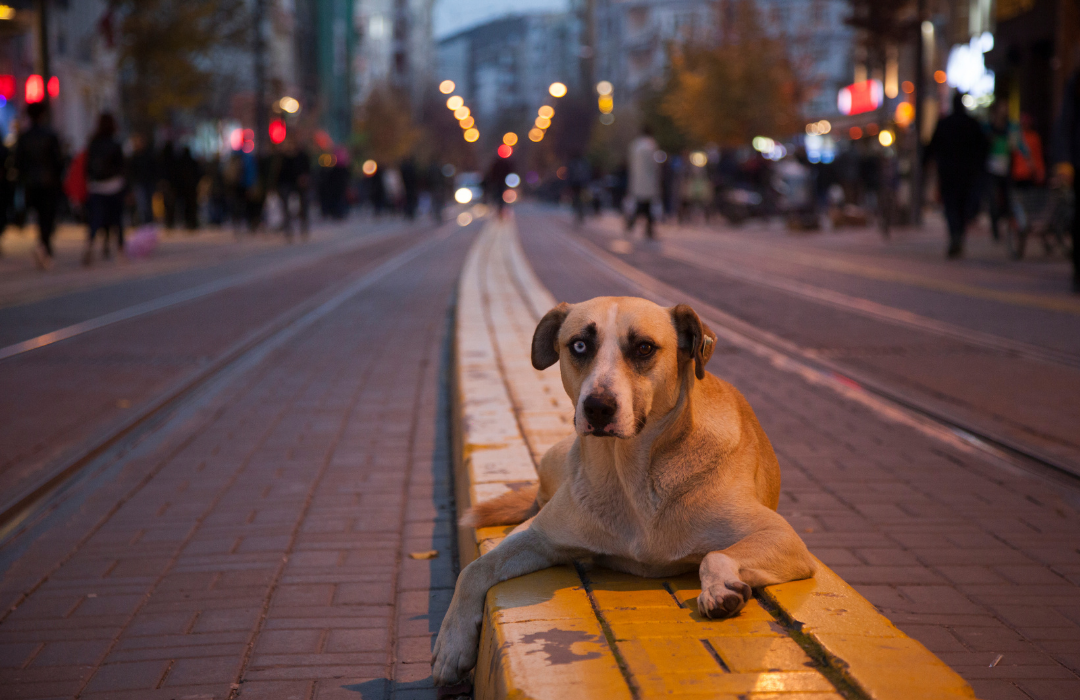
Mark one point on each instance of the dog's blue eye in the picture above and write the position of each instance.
(579, 347)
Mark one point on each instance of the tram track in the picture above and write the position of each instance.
(97, 456)
(885, 400)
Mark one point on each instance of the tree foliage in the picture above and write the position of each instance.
(742, 87)
(384, 128)
(167, 50)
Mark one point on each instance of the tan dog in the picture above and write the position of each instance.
(669, 471)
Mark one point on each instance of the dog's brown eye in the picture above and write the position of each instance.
(645, 349)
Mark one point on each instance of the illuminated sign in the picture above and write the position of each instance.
(861, 97)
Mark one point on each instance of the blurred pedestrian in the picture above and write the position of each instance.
(40, 165)
(1004, 143)
(1065, 154)
(578, 180)
(142, 178)
(1028, 164)
(167, 181)
(495, 183)
(959, 147)
(410, 184)
(644, 176)
(7, 189)
(105, 185)
(293, 179)
(437, 188)
(188, 175)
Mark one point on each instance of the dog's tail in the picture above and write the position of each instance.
(511, 508)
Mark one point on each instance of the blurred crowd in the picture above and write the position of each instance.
(128, 190)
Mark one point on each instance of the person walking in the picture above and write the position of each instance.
(959, 147)
(293, 177)
(1004, 142)
(142, 177)
(644, 185)
(40, 167)
(188, 176)
(105, 185)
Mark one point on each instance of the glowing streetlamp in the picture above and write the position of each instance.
(557, 90)
(446, 87)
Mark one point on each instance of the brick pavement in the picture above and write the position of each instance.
(69, 391)
(975, 562)
(260, 548)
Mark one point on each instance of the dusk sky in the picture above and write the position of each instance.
(451, 16)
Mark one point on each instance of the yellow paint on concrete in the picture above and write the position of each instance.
(557, 634)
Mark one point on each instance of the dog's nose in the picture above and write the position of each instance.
(600, 409)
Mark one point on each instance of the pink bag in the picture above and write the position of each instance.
(142, 242)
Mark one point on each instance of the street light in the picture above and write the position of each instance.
(510, 138)
(472, 135)
(289, 104)
(454, 102)
(557, 89)
(546, 111)
(604, 88)
(446, 87)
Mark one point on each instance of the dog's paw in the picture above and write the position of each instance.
(454, 656)
(722, 600)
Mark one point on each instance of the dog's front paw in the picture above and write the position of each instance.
(454, 656)
(722, 600)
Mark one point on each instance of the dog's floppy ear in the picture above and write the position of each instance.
(696, 339)
(544, 352)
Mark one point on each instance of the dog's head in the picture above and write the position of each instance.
(623, 359)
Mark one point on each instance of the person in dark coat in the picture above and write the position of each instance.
(294, 176)
(105, 185)
(959, 147)
(188, 174)
(39, 163)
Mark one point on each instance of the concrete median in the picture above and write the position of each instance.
(570, 632)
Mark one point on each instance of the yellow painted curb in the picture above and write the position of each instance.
(576, 633)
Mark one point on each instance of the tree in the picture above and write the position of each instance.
(167, 50)
(384, 128)
(742, 87)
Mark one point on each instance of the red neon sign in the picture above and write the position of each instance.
(857, 98)
(277, 131)
(35, 89)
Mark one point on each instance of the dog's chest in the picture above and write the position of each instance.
(637, 527)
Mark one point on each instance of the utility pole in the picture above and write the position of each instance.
(920, 92)
(259, 56)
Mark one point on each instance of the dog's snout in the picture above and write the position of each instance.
(600, 409)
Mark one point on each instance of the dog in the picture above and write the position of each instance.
(668, 471)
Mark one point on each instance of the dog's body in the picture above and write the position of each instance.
(669, 471)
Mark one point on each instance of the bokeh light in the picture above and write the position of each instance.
(510, 138)
(454, 102)
(885, 138)
(546, 111)
(446, 87)
(370, 167)
(464, 218)
(467, 123)
(289, 104)
(604, 88)
(472, 135)
(277, 131)
(542, 122)
(512, 180)
(509, 196)
(699, 159)
(606, 104)
(463, 195)
(536, 135)
(505, 151)
(462, 112)
(908, 87)
(939, 76)
(855, 133)
(905, 114)
(557, 89)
